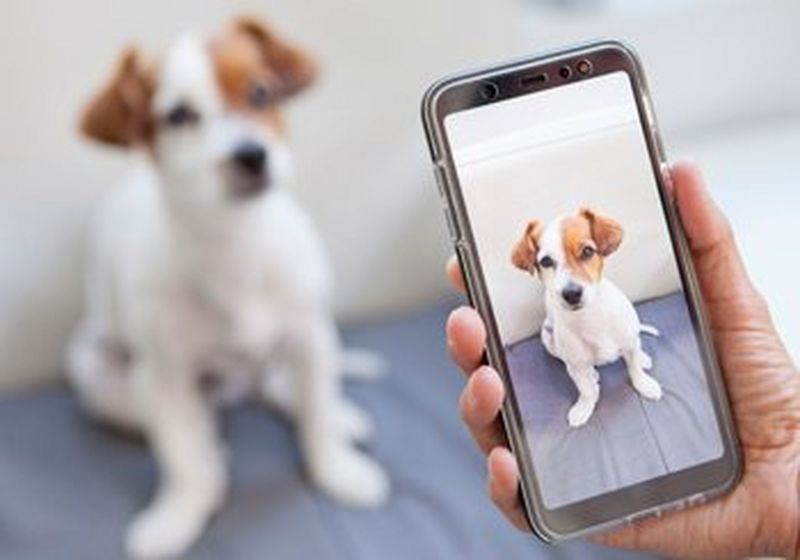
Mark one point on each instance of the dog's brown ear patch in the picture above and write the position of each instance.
(606, 232)
(120, 113)
(524, 254)
(294, 68)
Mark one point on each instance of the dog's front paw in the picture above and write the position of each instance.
(547, 339)
(647, 386)
(166, 529)
(580, 412)
(354, 422)
(364, 365)
(351, 477)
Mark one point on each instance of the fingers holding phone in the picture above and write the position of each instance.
(588, 311)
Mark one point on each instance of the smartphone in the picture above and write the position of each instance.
(557, 198)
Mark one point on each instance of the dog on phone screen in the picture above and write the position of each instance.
(589, 321)
(204, 274)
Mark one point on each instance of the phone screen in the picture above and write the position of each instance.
(585, 289)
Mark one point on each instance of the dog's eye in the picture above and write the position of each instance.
(182, 115)
(547, 262)
(259, 96)
(587, 253)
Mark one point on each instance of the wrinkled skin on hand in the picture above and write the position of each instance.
(761, 515)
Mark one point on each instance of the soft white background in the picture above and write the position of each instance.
(715, 69)
(360, 155)
(607, 170)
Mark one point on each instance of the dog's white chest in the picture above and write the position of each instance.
(254, 326)
(595, 348)
(253, 302)
(602, 349)
(593, 336)
(236, 289)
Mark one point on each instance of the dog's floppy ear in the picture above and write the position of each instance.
(120, 113)
(607, 233)
(524, 254)
(295, 69)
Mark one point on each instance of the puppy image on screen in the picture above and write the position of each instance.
(589, 321)
(204, 273)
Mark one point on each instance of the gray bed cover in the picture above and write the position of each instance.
(628, 439)
(68, 487)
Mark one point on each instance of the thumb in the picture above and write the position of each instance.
(720, 271)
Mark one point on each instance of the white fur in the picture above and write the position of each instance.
(605, 328)
(182, 281)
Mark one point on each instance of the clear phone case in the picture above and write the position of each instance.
(464, 244)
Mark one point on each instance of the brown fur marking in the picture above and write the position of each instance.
(120, 114)
(576, 234)
(524, 254)
(249, 54)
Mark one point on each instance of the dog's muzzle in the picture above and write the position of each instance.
(250, 169)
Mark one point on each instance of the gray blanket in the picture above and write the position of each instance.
(68, 487)
(628, 439)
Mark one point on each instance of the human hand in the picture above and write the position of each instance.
(761, 515)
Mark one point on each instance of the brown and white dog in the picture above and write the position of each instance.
(202, 263)
(589, 321)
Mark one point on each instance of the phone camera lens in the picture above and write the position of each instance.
(489, 91)
(584, 67)
(565, 72)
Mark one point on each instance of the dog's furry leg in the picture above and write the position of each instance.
(547, 336)
(354, 422)
(647, 361)
(644, 383)
(649, 329)
(278, 391)
(586, 380)
(362, 364)
(98, 370)
(337, 467)
(181, 429)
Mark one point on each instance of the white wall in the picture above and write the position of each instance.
(709, 62)
(606, 170)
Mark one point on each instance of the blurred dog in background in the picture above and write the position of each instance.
(204, 274)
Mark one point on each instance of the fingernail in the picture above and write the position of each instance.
(684, 160)
(469, 400)
(451, 319)
(461, 311)
(483, 375)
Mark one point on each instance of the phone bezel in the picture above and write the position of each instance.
(652, 497)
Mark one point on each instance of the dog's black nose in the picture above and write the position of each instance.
(251, 157)
(572, 294)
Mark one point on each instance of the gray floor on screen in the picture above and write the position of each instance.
(627, 439)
